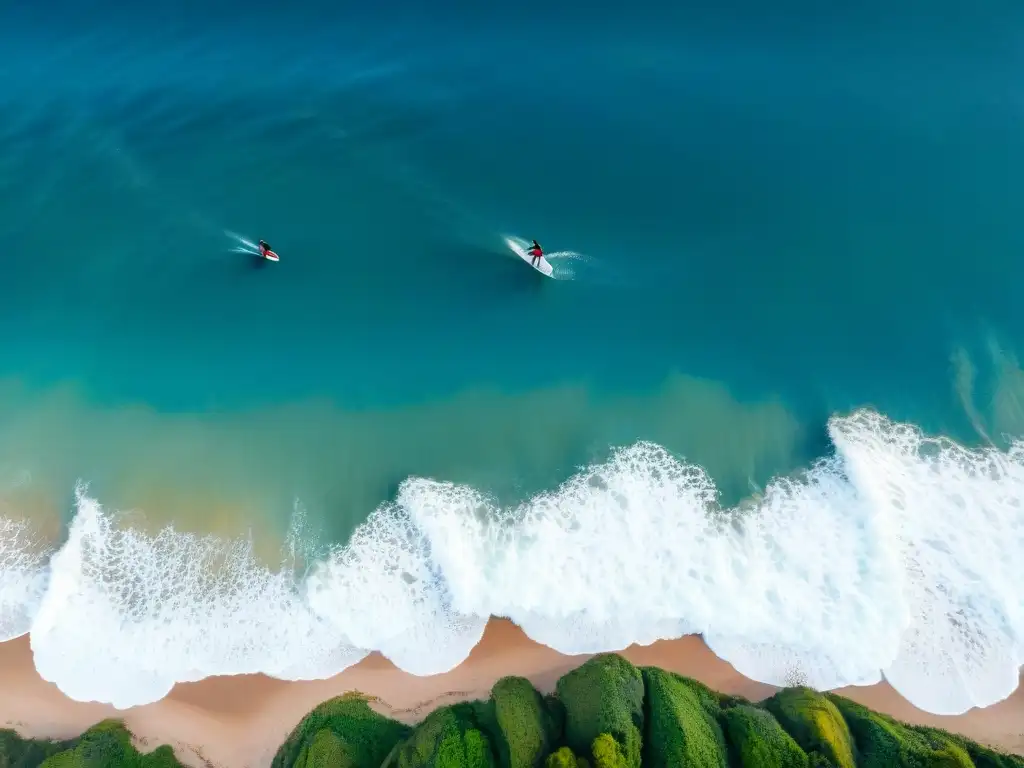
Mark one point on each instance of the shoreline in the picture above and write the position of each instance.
(241, 721)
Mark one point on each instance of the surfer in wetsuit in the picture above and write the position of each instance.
(535, 251)
(265, 249)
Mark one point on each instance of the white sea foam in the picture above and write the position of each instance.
(22, 577)
(125, 616)
(898, 556)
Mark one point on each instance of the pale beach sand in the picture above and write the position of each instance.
(239, 722)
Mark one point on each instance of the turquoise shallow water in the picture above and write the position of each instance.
(761, 221)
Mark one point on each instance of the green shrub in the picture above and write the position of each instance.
(556, 710)
(815, 724)
(528, 731)
(681, 723)
(985, 757)
(450, 737)
(345, 729)
(65, 759)
(327, 751)
(105, 745)
(16, 752)
(607, 752)
(758, 741)
(563, 758)
(161, 757)
(882, 741)
(604, 695)
(951, 747)
(478, 749)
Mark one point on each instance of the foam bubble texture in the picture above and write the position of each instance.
(22, 577)
(126, 616)
(898, 556)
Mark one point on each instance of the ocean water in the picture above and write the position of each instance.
(771, 394)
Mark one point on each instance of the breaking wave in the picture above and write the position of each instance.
(898, 555)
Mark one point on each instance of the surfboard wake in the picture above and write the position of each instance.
(243, 245)
(554, 265)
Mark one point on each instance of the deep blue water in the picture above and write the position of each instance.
(815, 206)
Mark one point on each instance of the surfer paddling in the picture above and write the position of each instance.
(535, 252)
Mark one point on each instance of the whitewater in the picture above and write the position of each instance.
(896, 556)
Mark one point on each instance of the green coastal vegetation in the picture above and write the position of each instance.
(106, 744)
(605, 714)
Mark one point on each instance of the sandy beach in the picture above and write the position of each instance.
(239, 722)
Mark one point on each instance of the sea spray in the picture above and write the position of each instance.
(896, 556)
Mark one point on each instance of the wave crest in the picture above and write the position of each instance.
(897, 556)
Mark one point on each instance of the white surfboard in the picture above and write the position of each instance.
(544, 267)
(271, 256)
